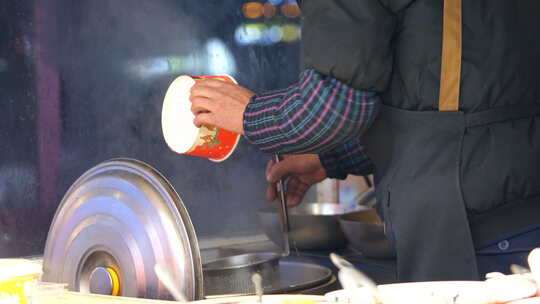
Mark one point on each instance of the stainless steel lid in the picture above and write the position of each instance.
(115, 223)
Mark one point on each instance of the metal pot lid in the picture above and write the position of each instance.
(115, 223)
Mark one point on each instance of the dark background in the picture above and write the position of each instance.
(82, 82)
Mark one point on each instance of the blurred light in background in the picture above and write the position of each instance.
(213, 58)
(23, 45)
(3, 65)
(290, 10)
(262, 34)
(153, 67)
(291, 32)
(252, 10)
(220, 58)
(275, 34)
(249, 33)
(269, 10)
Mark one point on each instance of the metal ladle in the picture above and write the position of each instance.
(282, 207)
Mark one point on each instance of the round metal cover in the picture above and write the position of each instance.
(124, 216)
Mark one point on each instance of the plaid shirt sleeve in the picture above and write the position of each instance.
(319, 114)
(348, 158)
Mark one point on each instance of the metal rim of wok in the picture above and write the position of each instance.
(122, 217)
(285, 277)
(318, 276)
(313, 226)
(242, 261)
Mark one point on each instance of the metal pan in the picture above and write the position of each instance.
(313, 226)
(233, 274)
(278, 276)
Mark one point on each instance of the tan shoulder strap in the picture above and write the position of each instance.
(451, 56)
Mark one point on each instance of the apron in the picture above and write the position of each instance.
(418, 156)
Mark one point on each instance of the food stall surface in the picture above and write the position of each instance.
(519, 288)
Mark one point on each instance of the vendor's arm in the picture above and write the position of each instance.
(349, 45)
(305, 170)
(317, 114)
(346, 159)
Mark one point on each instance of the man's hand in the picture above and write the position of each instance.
(303, 170)
(219, 103)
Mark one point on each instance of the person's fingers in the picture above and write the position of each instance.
(296, 190)
(278, 171)
(271, 193)
(214, 83)
(219, 89)
(269, 166)
(201, 105)
(291, 195)
(287, 167)
(204, 119)
(204, 91)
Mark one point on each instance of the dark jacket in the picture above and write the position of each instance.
(394, 47)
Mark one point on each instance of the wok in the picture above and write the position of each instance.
(313, 226)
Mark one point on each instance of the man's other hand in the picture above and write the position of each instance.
(219, 103)
(302, 171)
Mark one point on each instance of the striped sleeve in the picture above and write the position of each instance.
(348, 158)
(317, 114)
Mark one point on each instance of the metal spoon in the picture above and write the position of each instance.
(282, 207)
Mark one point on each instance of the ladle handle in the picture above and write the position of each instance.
(283, 212)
